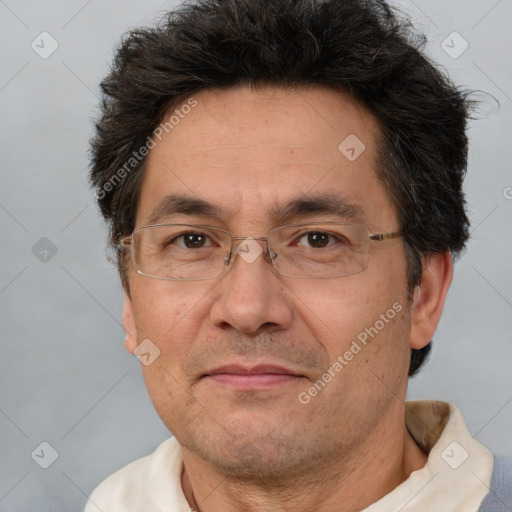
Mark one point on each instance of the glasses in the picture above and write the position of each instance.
(317, 250)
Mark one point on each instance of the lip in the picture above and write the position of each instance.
(235, 369)
(256, 377)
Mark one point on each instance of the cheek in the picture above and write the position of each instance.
(368, 336)
(365, 307)
(166, 313)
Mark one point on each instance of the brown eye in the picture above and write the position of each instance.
(318, 239)
(194, 240)
(190, 240)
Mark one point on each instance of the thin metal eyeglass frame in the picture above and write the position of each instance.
(377, 237)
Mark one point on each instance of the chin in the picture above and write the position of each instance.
(269, 453)
(257, 462)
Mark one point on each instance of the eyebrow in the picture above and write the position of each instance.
(303, 206)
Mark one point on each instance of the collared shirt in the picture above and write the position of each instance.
(456, 477)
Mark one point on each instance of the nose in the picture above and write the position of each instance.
(251, 297)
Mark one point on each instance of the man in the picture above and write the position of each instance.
(283, 183)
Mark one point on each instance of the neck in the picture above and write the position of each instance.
(357, 480)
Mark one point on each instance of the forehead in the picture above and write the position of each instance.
(249, 151)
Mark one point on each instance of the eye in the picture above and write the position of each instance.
(191, 240)
(316, 239)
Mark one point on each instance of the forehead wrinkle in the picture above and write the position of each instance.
(240, 145)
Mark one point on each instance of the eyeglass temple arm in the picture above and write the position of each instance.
(124, 242)
(379, 237)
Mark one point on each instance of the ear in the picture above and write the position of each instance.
(130, 328)
(429, 297)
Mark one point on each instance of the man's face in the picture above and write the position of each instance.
(246, 152)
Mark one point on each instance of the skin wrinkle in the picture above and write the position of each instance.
(242, 146)
(262, 346)
(353, 443)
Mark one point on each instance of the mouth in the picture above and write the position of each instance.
(257, 377)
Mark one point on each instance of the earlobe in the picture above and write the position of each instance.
(428, 298)
(130, 341)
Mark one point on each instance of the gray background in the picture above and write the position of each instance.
(65, 377)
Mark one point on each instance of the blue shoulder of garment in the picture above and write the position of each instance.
(499, 498)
